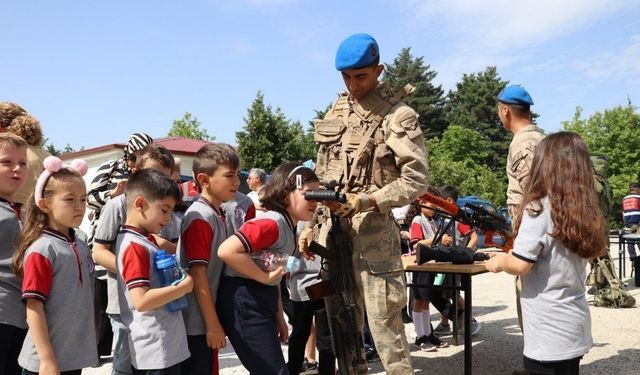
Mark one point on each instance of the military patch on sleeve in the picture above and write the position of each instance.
(519, 164)
(410, 124)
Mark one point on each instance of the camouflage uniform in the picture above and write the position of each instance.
(389, 162)
(521, 151)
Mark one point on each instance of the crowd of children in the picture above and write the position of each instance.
(46, 292)
(47, 269)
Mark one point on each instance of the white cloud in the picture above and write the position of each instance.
(507, 24)
(504, 32)
(622, 63)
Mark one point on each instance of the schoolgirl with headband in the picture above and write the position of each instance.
(249, 303)
(57, 271)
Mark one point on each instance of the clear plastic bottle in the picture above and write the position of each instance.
(170, 274)
(269, 261)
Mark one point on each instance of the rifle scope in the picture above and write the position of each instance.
(325, 195)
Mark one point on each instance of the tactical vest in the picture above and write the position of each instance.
(351, 142)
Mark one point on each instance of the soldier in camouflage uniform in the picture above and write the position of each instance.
(371, 145)
(514, 103)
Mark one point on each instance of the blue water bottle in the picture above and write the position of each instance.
(170, 274)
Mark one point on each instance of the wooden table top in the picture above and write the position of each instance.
(409, 263)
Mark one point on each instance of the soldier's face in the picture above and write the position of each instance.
(361, 81)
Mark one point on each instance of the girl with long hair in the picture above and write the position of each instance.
(249, 302)
(57, 271)
(558, 230)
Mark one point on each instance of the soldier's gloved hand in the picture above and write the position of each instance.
(355, 203)
(304, 239)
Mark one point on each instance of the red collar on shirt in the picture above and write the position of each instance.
(17, 207)
(138, 232)
(217, 211)
(71, 237)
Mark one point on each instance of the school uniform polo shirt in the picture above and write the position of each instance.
(238, 211)
(112, 217)
(273, 231)
(203, 230)
(58, 271)
(157, 338)
(12, 311)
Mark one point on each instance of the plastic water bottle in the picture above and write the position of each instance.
(269, 261)
(170, 274)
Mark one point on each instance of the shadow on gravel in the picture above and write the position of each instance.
(624, 363)
(497, 349)
(484, 310)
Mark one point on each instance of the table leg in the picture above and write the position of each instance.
(454, 299)
(621, 243)
(468, 358)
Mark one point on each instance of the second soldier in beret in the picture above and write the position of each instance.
(371, 145)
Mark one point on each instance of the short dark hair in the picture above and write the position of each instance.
(448, 191)
(522, 111)
(152, 185)
(282, 182)
(212, 156)
(158, 153)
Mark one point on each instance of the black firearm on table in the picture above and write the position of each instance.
(472, 215)
(346, 342)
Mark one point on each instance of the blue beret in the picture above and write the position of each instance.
(515, 94)
(357, 51)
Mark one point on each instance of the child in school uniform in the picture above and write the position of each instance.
(57, 270)
(422, 231)
(157, 337)
(249, 303)
(112, 216)
(556, 233)
(13, 321)
(215, 169)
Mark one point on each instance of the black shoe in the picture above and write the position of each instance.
(421, 340)
(308, 366)
(435, 341)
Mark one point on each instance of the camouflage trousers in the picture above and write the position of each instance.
(379, 287)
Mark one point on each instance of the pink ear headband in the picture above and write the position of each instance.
(53, 164)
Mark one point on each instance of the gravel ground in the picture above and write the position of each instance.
(497, 349)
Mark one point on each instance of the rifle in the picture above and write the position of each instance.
(476, 217)
(472, 215)
(346, 335)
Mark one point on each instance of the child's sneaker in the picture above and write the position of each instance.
(442, 328)
(436, 342)
(420, 341)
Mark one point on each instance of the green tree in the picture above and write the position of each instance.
(50, 148)
(616, 135)
(268, 138)
(473, 105)
(309, 147)
(455, 159)
(190, 128)
(428, 99)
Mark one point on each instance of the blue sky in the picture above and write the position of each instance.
(94, 72)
